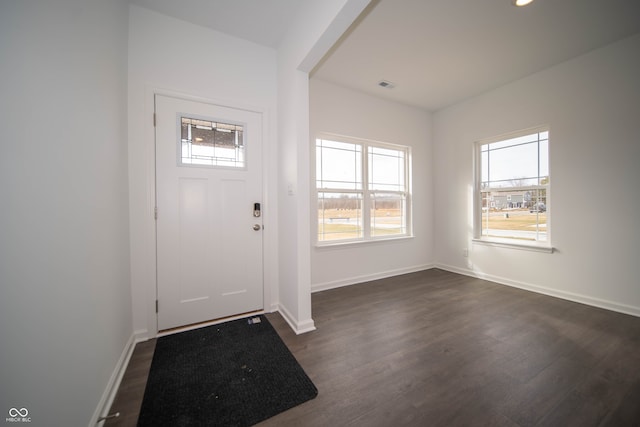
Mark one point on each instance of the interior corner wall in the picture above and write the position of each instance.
(341, 111)
(291, 278)
(591, 104)
(169, 54)
(65, 301)
(311, 35)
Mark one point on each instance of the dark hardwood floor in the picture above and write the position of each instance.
(435, 348)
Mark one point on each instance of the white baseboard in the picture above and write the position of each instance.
(114, 383)
(570, 296)
(368, 277)
(299, 327)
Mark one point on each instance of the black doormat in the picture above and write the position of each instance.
(236, 373)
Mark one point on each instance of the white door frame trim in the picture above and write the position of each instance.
(269, 271)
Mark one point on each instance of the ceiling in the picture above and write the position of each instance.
(436, 52)
(263, 22)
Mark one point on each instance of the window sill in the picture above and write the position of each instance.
(353, 243)
(510, 245)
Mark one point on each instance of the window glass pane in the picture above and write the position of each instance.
(511, 166)
(513, 141)
(544, 159)
(484, 167)
(387, 214)
(208, 143)
(327, 143)
(514, 214)
(386, 169)
(339, 216)
(318, 166)
(338, 165)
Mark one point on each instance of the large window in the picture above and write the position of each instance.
(363, 190)
(512, 189)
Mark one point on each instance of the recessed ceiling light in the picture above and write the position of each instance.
(521, 2)
(386, 84)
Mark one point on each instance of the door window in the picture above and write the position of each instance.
(211, 143)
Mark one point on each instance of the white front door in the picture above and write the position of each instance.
(209, 223)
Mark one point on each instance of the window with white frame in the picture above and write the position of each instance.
(512, 188)
(362, 190)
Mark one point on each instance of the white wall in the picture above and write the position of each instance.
(65, 302)
(346, 112)
(170, 54)
(592, 106)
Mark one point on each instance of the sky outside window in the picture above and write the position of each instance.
(518, 161)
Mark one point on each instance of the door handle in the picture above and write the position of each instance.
(256, 227)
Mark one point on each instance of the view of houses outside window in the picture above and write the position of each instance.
(513, 187)
(362, 190)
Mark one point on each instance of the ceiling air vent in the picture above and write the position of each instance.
(386, 84)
